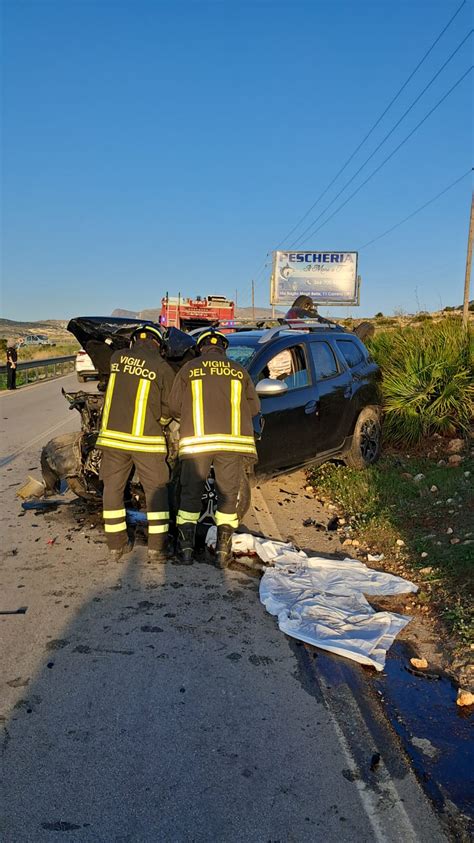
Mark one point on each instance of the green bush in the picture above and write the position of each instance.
(427, 384)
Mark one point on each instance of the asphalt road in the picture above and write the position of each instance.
(163, 704)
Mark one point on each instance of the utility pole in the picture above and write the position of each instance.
(467, 279)
(253, 301)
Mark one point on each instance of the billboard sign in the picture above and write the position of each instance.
(327, 277)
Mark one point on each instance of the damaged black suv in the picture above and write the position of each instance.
(317, 383)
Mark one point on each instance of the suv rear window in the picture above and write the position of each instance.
(351, 352)
(324, 360)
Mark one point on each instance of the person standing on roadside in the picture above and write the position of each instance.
(131, 436)
(12, 359)
(214, 399)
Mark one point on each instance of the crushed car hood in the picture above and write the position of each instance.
(101, 335)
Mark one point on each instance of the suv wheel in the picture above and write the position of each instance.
(366, 440)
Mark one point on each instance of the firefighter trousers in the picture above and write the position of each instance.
(228, 470)
(115, 470)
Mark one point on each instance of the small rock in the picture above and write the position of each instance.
(434, 489)
(426, 747)
(420, 664)
(454, 460)
(467, 474)
(449, 531)
(424, 554)
(454, 541)
(400, 543)
(427, 570)
(342, 521)
(441, 462)
(308, 489)
(346, 542)
(456, 446)
(375, 558)
(450, 500)
(355, 543)
(418, 478)
(465, 698)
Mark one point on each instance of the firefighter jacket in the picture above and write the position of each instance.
(136, 401)
(215, 400)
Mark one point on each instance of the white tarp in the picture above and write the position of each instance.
(321, 601)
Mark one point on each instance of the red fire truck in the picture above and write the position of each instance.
(188, 314)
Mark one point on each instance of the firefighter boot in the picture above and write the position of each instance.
(224, 545)
(186, 536)
(158, 554)
(116, 553)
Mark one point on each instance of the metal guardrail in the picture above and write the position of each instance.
(35, 370)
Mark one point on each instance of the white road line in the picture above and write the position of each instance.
(386, 825)
(8, 459)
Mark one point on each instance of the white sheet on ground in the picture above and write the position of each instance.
(321, 601)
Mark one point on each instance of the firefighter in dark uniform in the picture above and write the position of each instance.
(131, 435)
(215, 400)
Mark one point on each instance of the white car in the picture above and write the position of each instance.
(85, 367)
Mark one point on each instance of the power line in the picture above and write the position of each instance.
(387, 159)
(400, 120)
(418, 210)
(372, 129)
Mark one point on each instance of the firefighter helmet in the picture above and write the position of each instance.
(212, 337)
(147, 332)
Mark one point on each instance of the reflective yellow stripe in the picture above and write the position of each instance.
(158, 528)
(114, 513)
(164, 421)
(184, 517)
(140, 407)
(119, 434)
(209, 447)
(217, 437)
(235, 397)
(224, 518)
(198, 409)
(158, 516)
(115, 528)
(108, 399)
(103, 442)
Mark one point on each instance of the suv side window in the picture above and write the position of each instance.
(289, 366)
(324, 360)
(351, 352)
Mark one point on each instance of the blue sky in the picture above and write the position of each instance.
(153, 146)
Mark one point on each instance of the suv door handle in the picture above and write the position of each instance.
(311, 407)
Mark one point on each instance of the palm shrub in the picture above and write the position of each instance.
(427, 382)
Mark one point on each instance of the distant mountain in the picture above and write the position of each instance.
(125, 314)
(240, 313)
(260, 313)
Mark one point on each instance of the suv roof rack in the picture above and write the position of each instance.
(304, 325)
